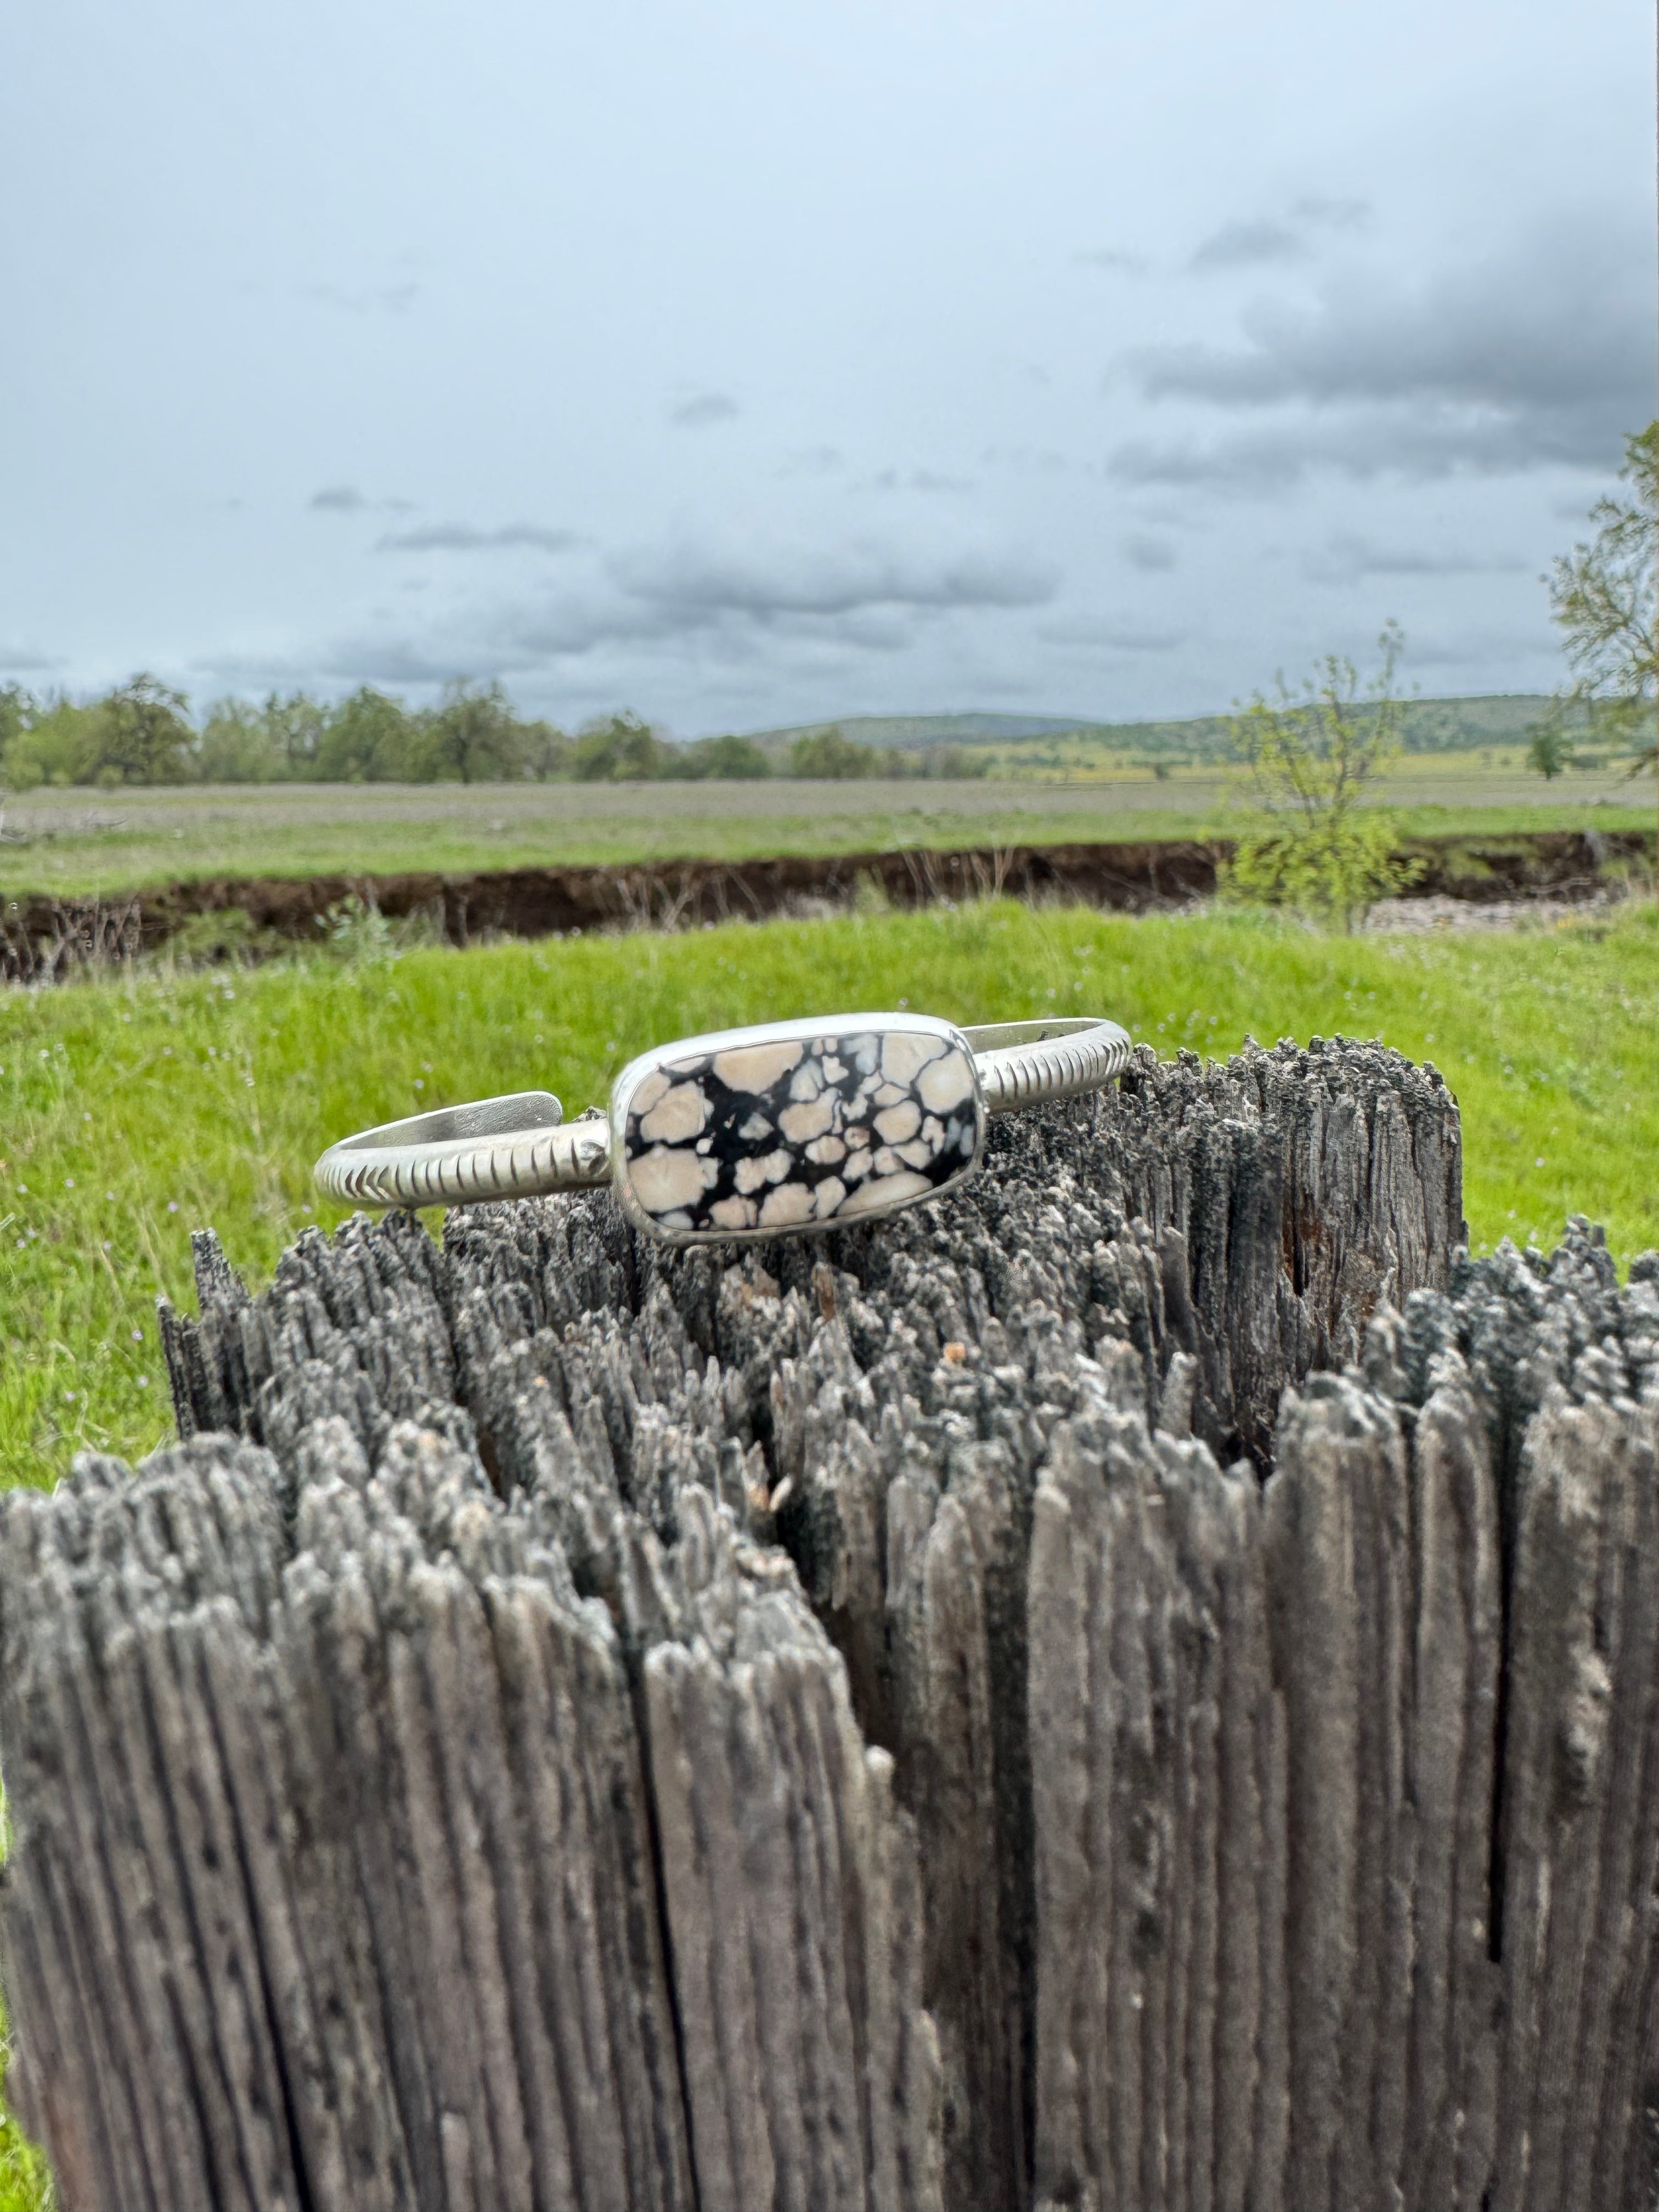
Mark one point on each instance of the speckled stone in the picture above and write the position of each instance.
(796, 1132)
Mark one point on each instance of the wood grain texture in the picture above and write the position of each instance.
(1133, 1686)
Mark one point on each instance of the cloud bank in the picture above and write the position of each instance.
(703, 410)
(1541, 357)
(464, 537)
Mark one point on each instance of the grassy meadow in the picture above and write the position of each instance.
(135, 1110)
(75, 840)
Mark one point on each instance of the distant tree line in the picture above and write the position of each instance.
(143, 731)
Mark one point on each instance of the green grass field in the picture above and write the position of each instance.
(135, 1110)
(109, 840)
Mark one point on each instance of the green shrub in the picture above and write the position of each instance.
(1549, 751)
(618, 748)
(211, 940)
(831, 756)
(737, 760)
(368, 739)
(235, 746)
(52, 741)
(1307, 763)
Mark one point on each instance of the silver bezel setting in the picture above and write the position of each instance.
(826, 1029)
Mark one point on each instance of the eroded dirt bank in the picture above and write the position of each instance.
(43, 937)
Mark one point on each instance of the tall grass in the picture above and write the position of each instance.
(25, 2179)
(134, 1110)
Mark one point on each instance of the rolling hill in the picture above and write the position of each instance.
(1058, 741)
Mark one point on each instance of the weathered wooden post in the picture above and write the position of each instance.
(1136, 1687)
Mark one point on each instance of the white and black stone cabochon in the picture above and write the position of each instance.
(796, 1132)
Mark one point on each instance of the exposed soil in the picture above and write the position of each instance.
(43, 937)
(1423, 917)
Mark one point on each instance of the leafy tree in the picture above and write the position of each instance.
(366, 738)
(235, 746)
(547, 750)
(1549, 750)
(21, 765)
(1309, 761)
(956, 763)
(618, 748)
(473, 738)
(294, 727)
(54, 741)
(723, 759)
(15, 704)
(1602, 599)
(832, 755)
(142, 734)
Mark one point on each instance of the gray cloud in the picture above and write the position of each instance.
(922, 480)
(1246, 244)
(1540, 358)
(813, 461)
(462, 538)
(22, 660)
(1495, 337)
(338, 498)
(1377, 442)
(1112, 257)
(1513, 649)
(1347, 557)
(1143, 551)
(1027, 460)
(1333, 214)
(358, 659)
(1249, 245)
(729, 608)
(1118, 637)
(702, 410)
(694, 583)
(398, 660)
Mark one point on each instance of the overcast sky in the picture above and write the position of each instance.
(752, 363)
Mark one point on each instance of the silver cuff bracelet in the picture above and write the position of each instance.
(747, 1133)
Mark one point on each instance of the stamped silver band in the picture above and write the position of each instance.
(747, 1133)
(510, 1148)
(1028, 1063)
